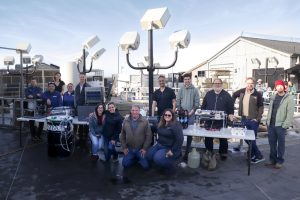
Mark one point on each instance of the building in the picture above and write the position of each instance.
(250, 57)
(10, 82)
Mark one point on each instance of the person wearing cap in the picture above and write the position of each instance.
(251, 108)
(279, 119)
(51, 97)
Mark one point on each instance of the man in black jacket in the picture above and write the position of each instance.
(218, 99)
(251, 108)
(80, 101)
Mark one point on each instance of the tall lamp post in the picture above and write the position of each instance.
(153, 19)
(91, 42)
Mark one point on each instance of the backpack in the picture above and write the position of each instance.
(209, 161)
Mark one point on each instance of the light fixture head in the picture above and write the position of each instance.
(24, 47)
(37, 59)
(9, 60)
(130, 40)
(155, 18)
(98, 54)
(180, 39)
(92, 41)
(26, 60)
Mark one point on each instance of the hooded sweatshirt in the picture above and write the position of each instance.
(188, 98)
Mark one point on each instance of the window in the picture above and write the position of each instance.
(201, 73)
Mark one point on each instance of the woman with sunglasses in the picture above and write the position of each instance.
(168, 147)
(96, 123)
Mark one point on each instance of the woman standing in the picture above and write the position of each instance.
(112, 129)
(170, 138)
(96, 124)
(59, 84)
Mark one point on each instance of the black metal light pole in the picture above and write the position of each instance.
(151, 68)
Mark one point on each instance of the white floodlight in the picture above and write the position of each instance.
(26, 60)
(98, 54)
(155, 18)
(37, 59)
(130, 40)
(9, 60)
(92, 41)
(24, 47)
(180, 39)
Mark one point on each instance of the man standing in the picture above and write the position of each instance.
(251, 108)
(188, 99)
(163, 98)
(218, 100)
(136, 138)
(34, 92)
(279, 119)
(80, 90)
(80, 101)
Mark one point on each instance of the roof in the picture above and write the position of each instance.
(283, 46)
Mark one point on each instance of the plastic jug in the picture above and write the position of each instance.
(194, 159)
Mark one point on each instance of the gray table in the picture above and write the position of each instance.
(194, 130)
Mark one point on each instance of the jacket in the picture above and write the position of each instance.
(188, 98)
(219, 102)
(54, 97)
(68, 99)
(112, 125)
(34, 91)
(80, 96)
(94, 127)
(285, 111)
(256, 103)
(140, 139)
(171, 137)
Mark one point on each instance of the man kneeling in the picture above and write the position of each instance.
(136, 138)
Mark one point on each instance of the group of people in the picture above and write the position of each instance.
(251, 108)
(107, 127)
(55, 97)
(135, 136)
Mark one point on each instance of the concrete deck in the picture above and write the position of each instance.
(28, 173)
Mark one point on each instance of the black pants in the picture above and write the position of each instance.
(209, 144)
(33, 132)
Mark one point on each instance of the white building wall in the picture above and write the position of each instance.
(238, 60)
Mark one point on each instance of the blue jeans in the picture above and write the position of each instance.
(133, 156)
(157, 154)
(189, 138)
(96, 143)
(109, 149)
(276, 136)
(252, 125)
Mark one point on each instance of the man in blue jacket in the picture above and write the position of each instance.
(51, 97)
(218, 99)
(34, 92)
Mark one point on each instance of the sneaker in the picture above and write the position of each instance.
(278, 166)
(270, 164)
(257, 160)
(115, 160)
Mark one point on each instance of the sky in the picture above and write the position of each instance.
(56, 29)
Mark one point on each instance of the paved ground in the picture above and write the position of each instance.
(29, 173)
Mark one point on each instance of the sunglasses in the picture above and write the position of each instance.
(167, 115)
